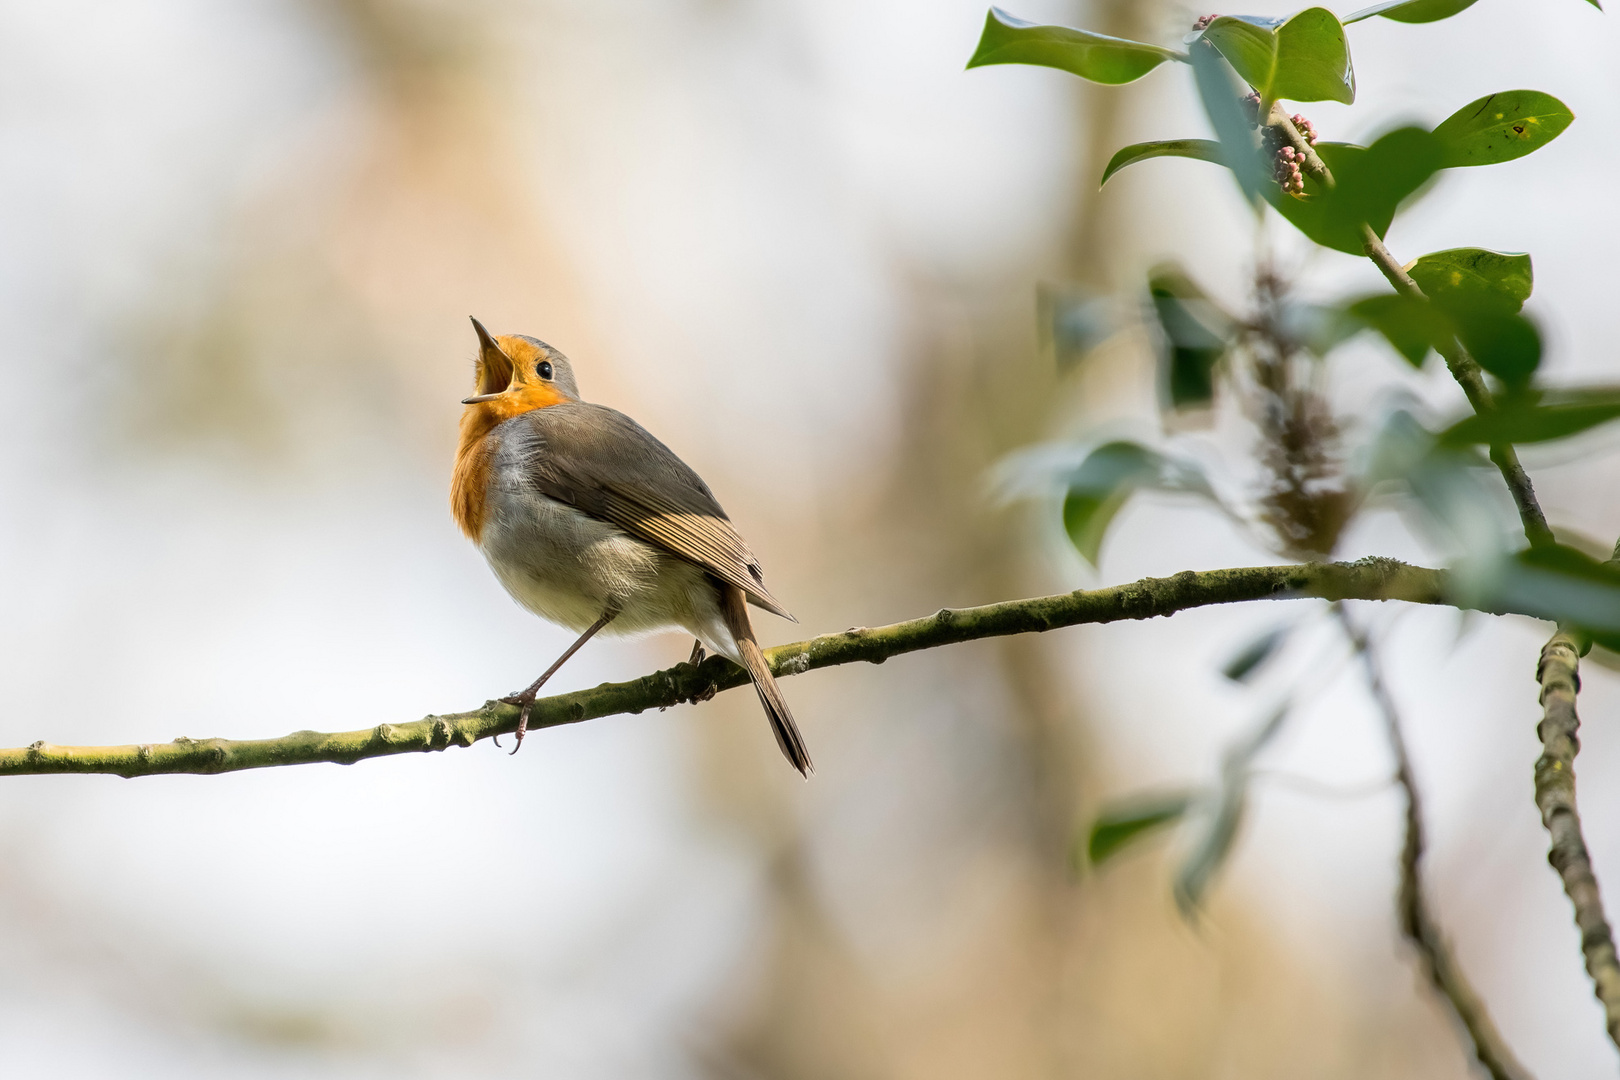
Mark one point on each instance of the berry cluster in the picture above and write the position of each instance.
(1203, 22)
(1251, 108)
(1287, 171)
(1286, 161)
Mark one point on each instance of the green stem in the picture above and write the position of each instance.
(1464, 368)
(1367, 579)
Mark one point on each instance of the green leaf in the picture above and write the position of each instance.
(1119, 825)
(1412, 11)
(1212, 849)
(1371, 184)
(1302, 58)
(1103, 59)
(1220, 92)
(1474, 295)
(1106, 479)
(1552, 417)
(1073, 321)
(1197, 334)
(1501, 127)
(1086, 518)
(1100, 486)
(1197, 149)
(1505, 343)
(1412, 326)
(1317, 328)
(1475, 272)
(1560, 584)
(1255, 653)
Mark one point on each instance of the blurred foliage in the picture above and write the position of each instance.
(1267, 361)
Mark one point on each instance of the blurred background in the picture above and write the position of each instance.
(238, 247)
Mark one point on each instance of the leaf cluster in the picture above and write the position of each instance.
(1466, 302)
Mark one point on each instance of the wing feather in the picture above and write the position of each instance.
(605, 464)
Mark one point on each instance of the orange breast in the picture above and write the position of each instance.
(475, 456)
(470, 481)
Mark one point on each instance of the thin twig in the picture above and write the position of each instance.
(1366, 579)
(1559, 676)
(1417, 921)
(1463, 367)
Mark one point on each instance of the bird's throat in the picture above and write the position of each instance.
(476, 452)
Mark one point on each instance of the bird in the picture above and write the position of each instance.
(591, 523)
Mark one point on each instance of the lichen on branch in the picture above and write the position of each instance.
(1367, 579)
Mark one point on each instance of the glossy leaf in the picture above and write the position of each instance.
(1500, 127)
(1302, 58)
(1120, 825)
(1475, 272)
(1412, 326)
(1255, 654)
(1098, 57)
(1552, 417)
(1371, 184)
(1197, 149)
(1196, 335)
(1412, 11)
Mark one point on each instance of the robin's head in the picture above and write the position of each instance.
(518, 374)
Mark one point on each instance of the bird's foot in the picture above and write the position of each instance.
(525, 698)
(698, 654)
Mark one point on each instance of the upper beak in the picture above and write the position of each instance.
(486, 344)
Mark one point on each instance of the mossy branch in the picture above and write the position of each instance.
(1368, 579)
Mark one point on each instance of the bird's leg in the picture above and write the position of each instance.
(697, 653)
(526, 698)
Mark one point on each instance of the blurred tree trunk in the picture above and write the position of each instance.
(980, 386)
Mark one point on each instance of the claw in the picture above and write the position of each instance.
(523, 725)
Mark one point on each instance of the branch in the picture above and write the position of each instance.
(1463, 367)
(1417, 921)
(1367, 579)
(1559, 676)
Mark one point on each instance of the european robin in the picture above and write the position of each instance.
(590, 522)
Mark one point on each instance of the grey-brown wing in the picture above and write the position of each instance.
(602, 462)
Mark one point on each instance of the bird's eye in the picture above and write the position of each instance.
(544, 369)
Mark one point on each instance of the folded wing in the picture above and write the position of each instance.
(605, 464)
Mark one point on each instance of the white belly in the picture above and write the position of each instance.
(569, 568)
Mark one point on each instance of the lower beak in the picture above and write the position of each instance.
(481, 397)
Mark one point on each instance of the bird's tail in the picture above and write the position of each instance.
(734, 609)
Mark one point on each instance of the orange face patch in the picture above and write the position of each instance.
(510, 375)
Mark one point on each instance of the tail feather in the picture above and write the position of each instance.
(733, 606)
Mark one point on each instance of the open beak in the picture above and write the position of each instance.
(489, 352)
